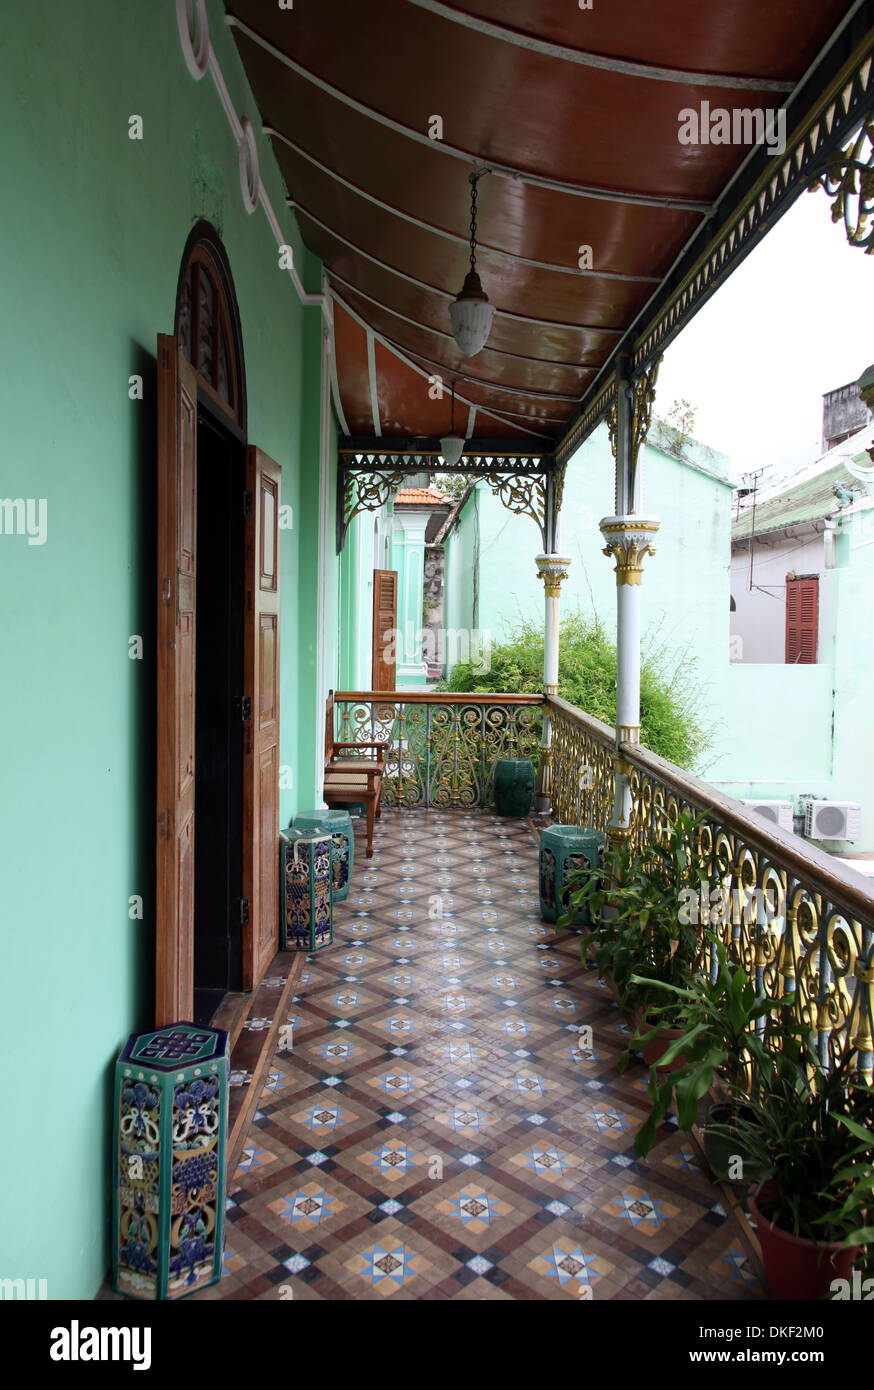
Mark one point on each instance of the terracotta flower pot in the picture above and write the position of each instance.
(659, 1044)
(798, 1269)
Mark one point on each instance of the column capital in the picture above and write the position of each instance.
(552, 569)
(628, 542)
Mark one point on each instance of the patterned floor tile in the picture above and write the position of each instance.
(448, 1121)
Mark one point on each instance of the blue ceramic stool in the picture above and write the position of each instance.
(564, 849)
(339, 823)
(171, 1124)
(306, 890)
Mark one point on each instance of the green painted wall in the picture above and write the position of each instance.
(91, 237)
(357, 564)
(791, 743)
(461, 572)
(408, 560)
(790, 731)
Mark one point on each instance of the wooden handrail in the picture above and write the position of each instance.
(599, 731)
(436, 697)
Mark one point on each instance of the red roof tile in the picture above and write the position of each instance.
(420, 497)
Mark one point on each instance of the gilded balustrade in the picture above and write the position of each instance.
(797, 919)
(442, 747)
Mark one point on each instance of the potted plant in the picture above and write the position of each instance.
(810, 1133)
(643, 935)
(589, 894)
(717, 1013)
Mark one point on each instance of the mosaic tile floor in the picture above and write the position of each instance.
(437, 1131)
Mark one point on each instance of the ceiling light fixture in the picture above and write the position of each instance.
(471, 314)
(452, 444)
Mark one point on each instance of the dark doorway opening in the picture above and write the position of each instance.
(218, 777)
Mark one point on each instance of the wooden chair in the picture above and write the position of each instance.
(353, 772)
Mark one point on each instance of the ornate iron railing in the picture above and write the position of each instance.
(796, 918)
(582, 766)
(442, 747)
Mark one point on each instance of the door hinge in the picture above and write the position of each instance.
(247, 504)
(164, 825)
(165, 589)
(244, 912)
(246, 709)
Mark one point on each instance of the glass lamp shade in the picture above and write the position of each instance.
(471, 316)
(452, 446)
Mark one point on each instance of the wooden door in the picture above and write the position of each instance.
(177, 575)
(802, 619)
(385, 616)
(261, 727)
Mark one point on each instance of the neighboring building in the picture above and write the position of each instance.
(392, 542)
(781, 545)
(491, 578)
(844, 413)
(797, 706)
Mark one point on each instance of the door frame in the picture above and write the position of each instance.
(175, 912)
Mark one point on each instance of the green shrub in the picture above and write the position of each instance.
(669, 699)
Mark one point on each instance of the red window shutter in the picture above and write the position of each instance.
(802, 620)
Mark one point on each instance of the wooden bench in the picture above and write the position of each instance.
(353, 772)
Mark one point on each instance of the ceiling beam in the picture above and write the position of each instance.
(435, 289)
(442, 232)
(508, 171)
(621, 66)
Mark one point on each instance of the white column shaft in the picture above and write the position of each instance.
(628, 654)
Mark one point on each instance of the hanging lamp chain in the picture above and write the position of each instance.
(474, 188)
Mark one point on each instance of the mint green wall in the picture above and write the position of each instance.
(357, 564)
(805, 729)
(756, 749)
(459, 566)
(91, 237)
(408, 560)
(685, 586)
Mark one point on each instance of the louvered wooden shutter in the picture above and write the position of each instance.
(385, 609)
(802, 620)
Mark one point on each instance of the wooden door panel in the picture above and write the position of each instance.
(261, 744)
(177, 578)
(268, 648)
(268, 887)
(268, 550)
(385, 611)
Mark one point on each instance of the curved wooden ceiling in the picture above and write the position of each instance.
(579, 111)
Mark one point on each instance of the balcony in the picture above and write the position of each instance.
(436, 1132)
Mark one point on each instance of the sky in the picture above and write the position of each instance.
(793, 321)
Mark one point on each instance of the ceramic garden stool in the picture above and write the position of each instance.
(339, 822)
(514, 786)
(563, 850)
(306, 889)
(171, 1122)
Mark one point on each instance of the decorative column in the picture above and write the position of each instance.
(628, 537)
(552, 569)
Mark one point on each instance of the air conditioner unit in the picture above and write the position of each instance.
(833, 820)
(777, 812)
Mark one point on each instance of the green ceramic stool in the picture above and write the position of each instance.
(339, 823)
(514, 786)
(171, 1127)
(563, 850)
(306, 890)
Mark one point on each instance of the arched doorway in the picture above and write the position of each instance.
(218, 653)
